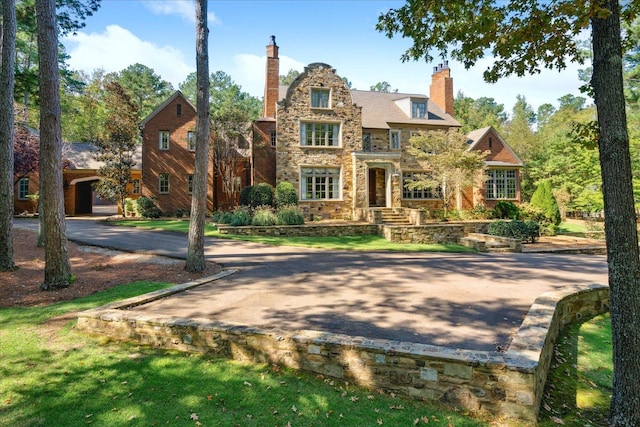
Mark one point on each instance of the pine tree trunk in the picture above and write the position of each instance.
(195, 251)
(620, 219)
(57, 270)
(8, 42)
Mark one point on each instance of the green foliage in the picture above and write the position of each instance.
(129, 206)
(147, 208)
(544, 200)
(245, 196)
(261, 194)
(285, 194)
(144, 86)
(516, 229)
(240, 216)
(222, 217)
(506, 210)
(290, 215)
(264, 216)
(179, 213)
(478, 113)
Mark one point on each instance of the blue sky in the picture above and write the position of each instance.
(161, 35)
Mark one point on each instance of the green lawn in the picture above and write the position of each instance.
(355, 243)
(53, 375)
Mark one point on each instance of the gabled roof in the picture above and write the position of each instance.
(162, 106)
(475, 136)
(82, 156)
(380, 110)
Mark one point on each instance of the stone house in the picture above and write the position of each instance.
(346, 151)
(168, 159)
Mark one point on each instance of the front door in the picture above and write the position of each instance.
(377, 187)
(372, 187)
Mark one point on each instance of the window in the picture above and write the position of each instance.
(320, 183)
(179, 110)
(163, 183)
(501, 184)
(163, 141)
(425, 193)
(190, 184)
(320, 98)
(320, 134)
(135, 186)
(23, 189)
(394, 139)
(191, 140)
(272, 137)
(419, 109)
(366, 142)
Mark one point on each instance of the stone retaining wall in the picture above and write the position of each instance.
(508, 384)
(302, 230)
(434, 233)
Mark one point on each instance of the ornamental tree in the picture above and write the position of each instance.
(523, 37)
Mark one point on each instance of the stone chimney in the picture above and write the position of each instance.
(441, 89)
(272, 80)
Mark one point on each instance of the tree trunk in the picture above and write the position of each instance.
(620, 220)
(57, 270)
(195, 251)
(7, 77)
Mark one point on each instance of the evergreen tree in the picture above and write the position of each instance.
(544, 200)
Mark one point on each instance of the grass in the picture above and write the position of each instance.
(572, 227)
(580, 383)
(54, 376)
(355, 243)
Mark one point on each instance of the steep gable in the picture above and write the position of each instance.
(500, 153)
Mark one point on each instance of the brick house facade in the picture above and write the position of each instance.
(168, 159)
(346, 150)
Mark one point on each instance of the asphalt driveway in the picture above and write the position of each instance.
(471, 301)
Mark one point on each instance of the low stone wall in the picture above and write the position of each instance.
(303, 230)
(450, 232)
(507, 384)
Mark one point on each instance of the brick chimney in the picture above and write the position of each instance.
(441, 89)
(272, 80)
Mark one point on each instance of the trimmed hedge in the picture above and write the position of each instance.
(516, 229)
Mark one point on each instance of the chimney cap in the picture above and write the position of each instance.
(272, 40)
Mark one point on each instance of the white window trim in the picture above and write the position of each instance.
(160, 140)
(339, 186)
(320, 89)
(303, 123)
(434, 196)
(160, 183)
(426, 110)
(189, 140)
(505, 180)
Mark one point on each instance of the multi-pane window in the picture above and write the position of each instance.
(320, 134)
(23, 189)
(501, 184)
(394, 139)
(163, 140)
(320, 183)
(135, 186)
(366, 142)
(424, 193)
(163, 183)
(272, 137)
(320, 98)
(190, 183)
(191, 140)
(419, 109)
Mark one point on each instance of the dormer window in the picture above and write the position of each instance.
(320, 98)
(418, 109)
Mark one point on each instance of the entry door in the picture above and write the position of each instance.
(372, 188)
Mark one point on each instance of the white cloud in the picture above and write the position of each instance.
(117, 48)
(184, 9)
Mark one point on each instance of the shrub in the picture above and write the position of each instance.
(544, 200)
(285, 194)
(261, 195)
(241, 216)
(129, 206)
(506, 210)
(264, 216)
(516, 229)
(290, 215)
(222, 217)
(480, 211)
(180, 213)
(245, 196)
(146, 207)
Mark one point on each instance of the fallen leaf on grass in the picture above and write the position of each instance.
(194, 416)
(248, 384)
(557, 420)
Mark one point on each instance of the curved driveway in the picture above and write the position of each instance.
(471, 301)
